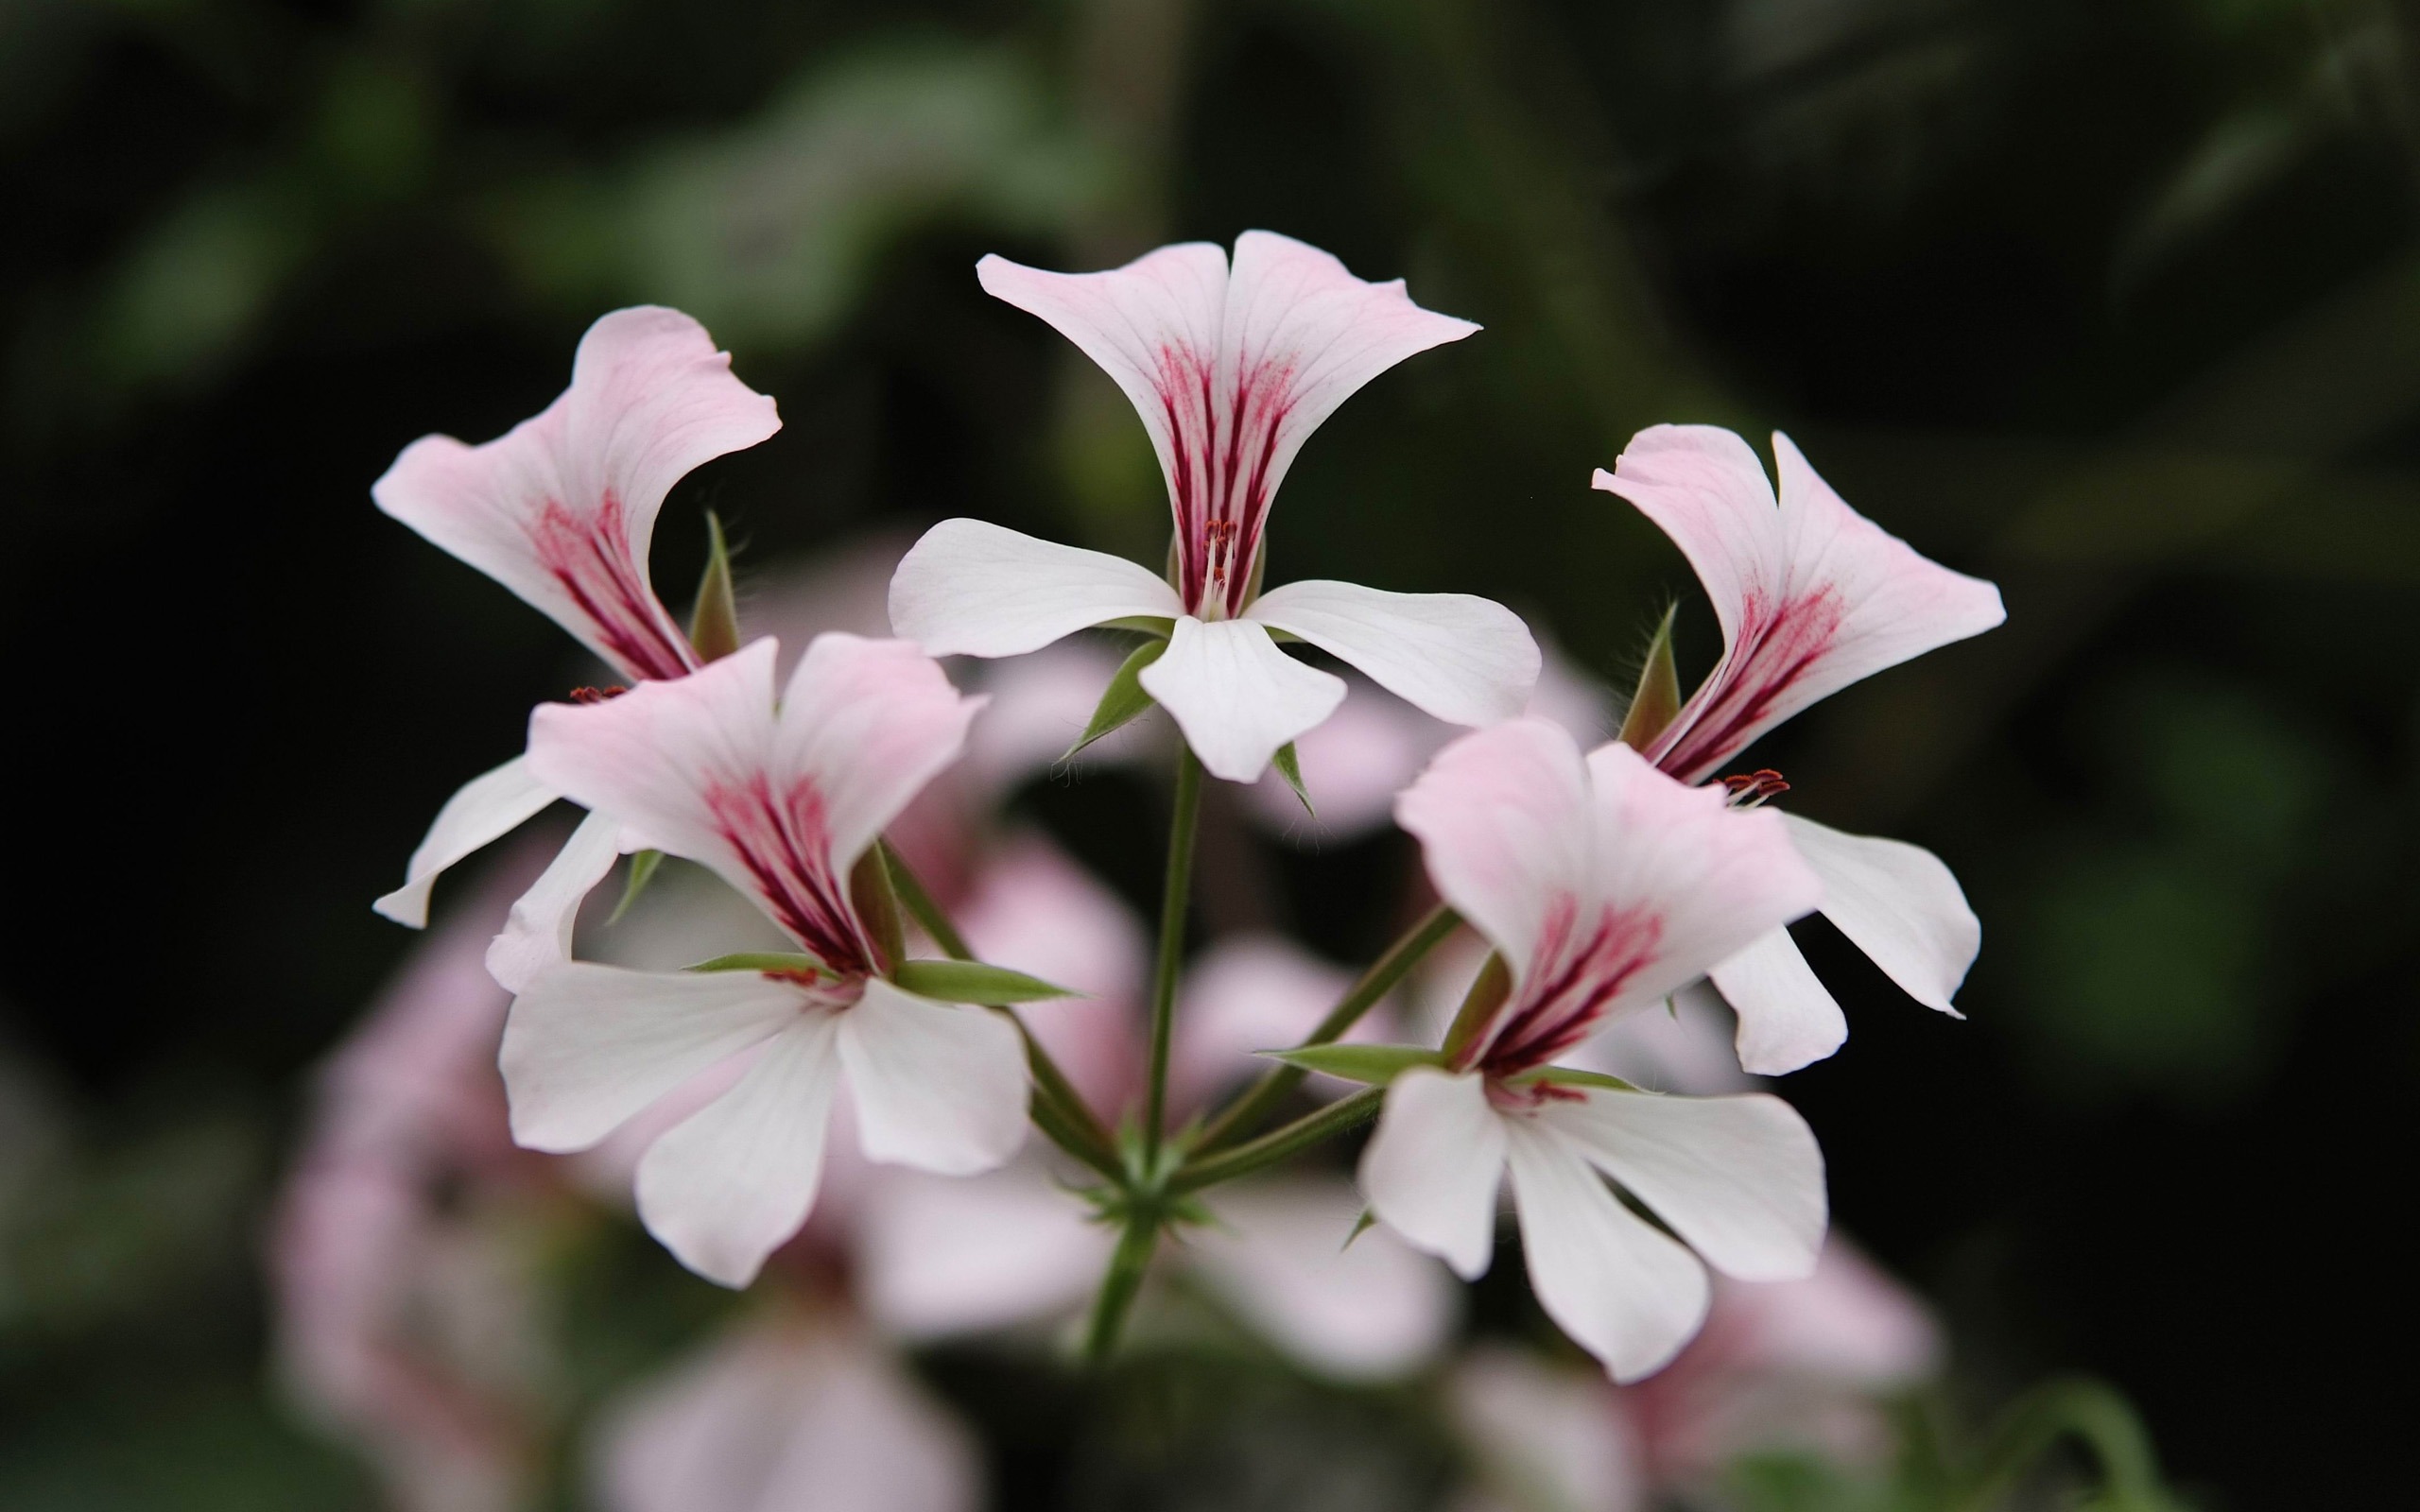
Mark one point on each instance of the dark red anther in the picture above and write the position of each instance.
(1750, 789)
(586, 695)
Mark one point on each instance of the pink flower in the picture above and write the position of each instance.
(1811, 596)
(560, 509)
(1231, 367)
(1603, 885)
(781, 804)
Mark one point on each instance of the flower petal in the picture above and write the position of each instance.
(588, 1046)
(1812, 596)
(937, 1086)
(1431, 1170)
(1900, 904)
(731, 1184)
(537, 934)
(970, 588)
(485, 809)
(1236, 695)
(1502, 818)
(868, 724)
(1788, 1018)
(560, 509)
(1466, 659)
(1362, 1311)
(943, 1255)
(1739, 1177)
(1623, 1290)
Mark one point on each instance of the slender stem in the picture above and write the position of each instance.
(1376, 982)
(1125, 1265)
(1173, 898)
(2091, 1412)
(920, 903)
(1056, 1094)
(1279, 1144)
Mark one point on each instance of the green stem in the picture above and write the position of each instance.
(1079, 1132)
(1125, 1265)
(920, 903)
(1173, 898)
(1376, 982)
(1280, 1143)
(2090, 1411)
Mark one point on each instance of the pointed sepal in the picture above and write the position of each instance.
(1290, 766)
(877, 904)
(1657, 701)
(643, 865)
(1372, 1065)
(992, 986)
(1124, 700)
(1488, 991)
(714, 624)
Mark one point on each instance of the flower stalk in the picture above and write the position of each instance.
(1174, 899)
(1279, 1144)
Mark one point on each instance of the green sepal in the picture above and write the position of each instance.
(1574, 1077)
(643, 865)
(1374, 1065)
(1290, 766)
(1488, 991)
(1361, 1225)
(781, 961)
(1148, 623)
(714, 625)
(992, 987)
(1657, 701)
(1124, 699)
(877, 905)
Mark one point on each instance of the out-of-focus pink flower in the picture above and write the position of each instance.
(790, 1413)
(1811, 596)
(1231, 368)
(560, 510)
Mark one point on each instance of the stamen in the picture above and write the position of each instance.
(1753, 789)
(588, 695)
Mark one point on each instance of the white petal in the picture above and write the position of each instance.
(1245, 994)
(1739, 1177)
(1364, 1311)
(868, 723)
(1788, 1019)
(1623, 1290)
(1431, 1171)
(730, 1184)
(943, 1255)
(1544, 1435)
(1467, 661)
(1900, 904)
(974, 589)
(587, 1046)
(1502, 818)
(537, 934)
(1236, 695)
(937, 1086)
(484, 809)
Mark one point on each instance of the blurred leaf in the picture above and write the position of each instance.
(191, 292)
(1373, 1065)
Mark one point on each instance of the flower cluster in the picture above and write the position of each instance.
(950, 1004)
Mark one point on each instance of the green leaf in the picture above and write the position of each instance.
(1373, 1064)
(1573, 1076)
(993, 986)
(762, 961)
(1290, 768)
(1124, 699)
(1657, 701)
(643, 865)
(714, 625)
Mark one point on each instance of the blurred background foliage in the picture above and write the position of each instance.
(2116, 304)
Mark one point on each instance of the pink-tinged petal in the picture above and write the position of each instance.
(1431, 1171)
(1352, 766)
(1739, 1177)
(1812, 596)
(937, 1086)
(588, 1046)
(864, 726)
(974, 589)
(1848, 1324)
(483, 810)
(1900, 904)
(560, 509)
(1247, 993)
(1788, 1018)
(1616, 1284)
(733, 1181)
(1236, 695)
(1502, 818)
(1034, 910)
(946, 1255)
(1689, 1049)
(537, 934)
(1465, 660)
(785, 1416)
(1544, 1435)
(1366, 1311)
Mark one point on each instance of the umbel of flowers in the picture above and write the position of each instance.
(1599, 882)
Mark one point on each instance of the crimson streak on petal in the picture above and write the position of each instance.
(590, 557)
(1776, 648)
(786, 844)
(1572, 979)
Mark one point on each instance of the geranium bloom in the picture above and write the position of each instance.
(560, 509)
(1811, 596)
(1231, 370)
(781, 804)
(1603, 885)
